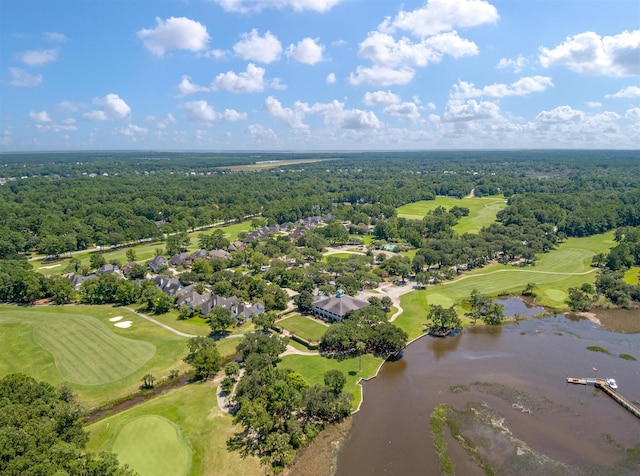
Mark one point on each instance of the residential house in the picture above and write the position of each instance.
(334, 308)
(181, 259)
(107, 269)
(236, 246)
(219, 254)
(157, 263)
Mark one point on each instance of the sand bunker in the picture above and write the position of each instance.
(50, 267)
(115, 319)
(123, 324)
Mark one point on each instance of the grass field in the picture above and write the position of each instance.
(313, 368)
(153, 445)
(555, 272)
(304, 327)
(632, 276)
(482, 211)
(80, 346)
(186, 424)
(144, 252)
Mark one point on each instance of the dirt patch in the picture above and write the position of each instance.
(319, 458)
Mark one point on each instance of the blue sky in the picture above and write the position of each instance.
(319, 74)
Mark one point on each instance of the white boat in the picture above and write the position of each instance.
(612, 383)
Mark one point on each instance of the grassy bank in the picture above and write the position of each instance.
(188, 427)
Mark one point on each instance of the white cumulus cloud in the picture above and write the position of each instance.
(21, 78)
(406, 111)
(249, 81)
(187, 87)
(628, 92)
(175, 34)
(132, 130)
(359, 119)
(381, 97)
(202, 111)
(292, 117)
(113, 108)
(457, 110)
(521, 87)
(42, 117)
(38, 57)
(381, 76)
(331, 78)
(307, 51)
(633, 114)
(54, 36)
(589, 54)
(438, 16)
(260, 133)
(265, 49)
(561, 114)
(516, 65)
(245, 6)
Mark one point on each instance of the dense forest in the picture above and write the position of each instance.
(56, 203)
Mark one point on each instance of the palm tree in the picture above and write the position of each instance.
(361, 346)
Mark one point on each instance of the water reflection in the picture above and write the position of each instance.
(391, 432)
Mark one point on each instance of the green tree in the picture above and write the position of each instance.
(131, 254)
(203, 356)
(221, 319)
(443, 318)
(137, 271)
(304, 302)
(578, 300)
(41, 432)
(360, 348)
(494, 315)
(97, 260)
(61, 290)
(148, 381)
(232, 369)
(335, 380)
(266, 320)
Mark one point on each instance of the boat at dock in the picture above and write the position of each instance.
(610, 387)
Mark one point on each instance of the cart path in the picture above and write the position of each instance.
(158, 323)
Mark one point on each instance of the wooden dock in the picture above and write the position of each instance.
(602, 385)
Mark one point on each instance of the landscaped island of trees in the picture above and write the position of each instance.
(279, 288)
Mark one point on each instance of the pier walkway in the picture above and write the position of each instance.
(602, 385)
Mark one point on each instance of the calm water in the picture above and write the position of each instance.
(574, 424)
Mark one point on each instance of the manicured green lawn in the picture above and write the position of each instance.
(304, 327)
(230, 231)
(555, 272)
(195, 325)
(482, 211)
(632, 276)
(153, 445)
(186, 418)
(313, 368)
(80, 346)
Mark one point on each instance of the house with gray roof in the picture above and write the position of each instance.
(157, 263)
(334, 308)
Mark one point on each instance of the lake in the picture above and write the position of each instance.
(507, 388)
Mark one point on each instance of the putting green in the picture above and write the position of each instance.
(152, 445)
(555, 295)
(84, 350)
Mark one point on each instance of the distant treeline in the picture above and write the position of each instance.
(73, 201)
